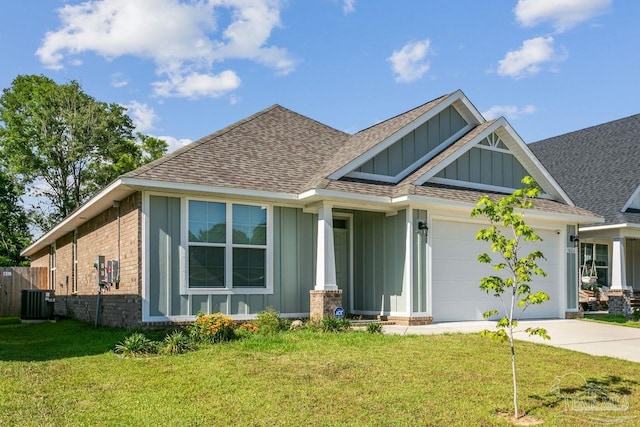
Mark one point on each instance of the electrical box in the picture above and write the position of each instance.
(101, 268)
(113, 271)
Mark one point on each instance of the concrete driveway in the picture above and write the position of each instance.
(594, 338)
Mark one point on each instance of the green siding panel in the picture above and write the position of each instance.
(199, 303)
(163, 247)
(294, 260)
(572, 271)
(417, 143)
(483, 166)
(419, 265)
(379, 259)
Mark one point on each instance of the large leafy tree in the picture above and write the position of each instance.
(14, 231)
(65, 145)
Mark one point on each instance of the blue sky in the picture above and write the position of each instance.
(188, 68)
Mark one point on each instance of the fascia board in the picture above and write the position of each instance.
(609, 227)
(526, 151)
(198, 188)
(98, 203)
(432, 202)
(340, 195)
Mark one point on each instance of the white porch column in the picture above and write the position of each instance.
(325, 258)
(618, 269)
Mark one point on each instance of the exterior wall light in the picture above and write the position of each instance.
(422, 226)
(574, 239)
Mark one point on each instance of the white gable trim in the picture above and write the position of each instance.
(634, 201)
(517, 148)
(469, 113)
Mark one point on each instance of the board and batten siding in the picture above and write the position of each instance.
(414, 145)
(379, 262)
(572, 269)
(164, 257)
(420, 270)
(485, 166)
(294, 253)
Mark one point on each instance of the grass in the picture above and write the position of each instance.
(64, 374)
(611, 318)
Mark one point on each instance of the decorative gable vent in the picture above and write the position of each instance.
(493, 141)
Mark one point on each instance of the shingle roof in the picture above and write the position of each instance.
(278, 150)
(597, 166)
(274, 150)
(368, 138)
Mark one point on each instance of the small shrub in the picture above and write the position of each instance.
(332, 324)
(177, 343)
(270, 322)
(374, 328)
(212, 328)
(635, 316)
(136, 344)
(246, 330)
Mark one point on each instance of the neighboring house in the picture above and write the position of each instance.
(280, 210)
(598, 168)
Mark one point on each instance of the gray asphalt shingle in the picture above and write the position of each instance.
(597, 166)
(278, 150)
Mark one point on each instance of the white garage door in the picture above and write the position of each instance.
(456, 274)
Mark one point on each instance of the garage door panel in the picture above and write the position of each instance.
(456, 274)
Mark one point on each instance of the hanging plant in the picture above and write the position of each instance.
(589, 274)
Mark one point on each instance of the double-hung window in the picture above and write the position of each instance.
(227, 246)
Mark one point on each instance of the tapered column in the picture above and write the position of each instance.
(618, 269)
(325, 255)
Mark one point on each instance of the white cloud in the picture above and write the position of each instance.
(349, 6)
(119, 80)
(142, 115)
(195, 84)
(178, 36)
(562, 14)
(174, 143)
(409, 63)
(527, 60)
(511, 112)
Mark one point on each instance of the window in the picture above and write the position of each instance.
(227, 246)
(601, 260)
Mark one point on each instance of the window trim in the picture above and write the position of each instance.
(229, 246)
(607, 268)
(53, 266)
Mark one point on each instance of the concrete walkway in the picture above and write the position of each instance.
(594, 338)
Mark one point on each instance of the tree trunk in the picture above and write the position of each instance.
(513, 355)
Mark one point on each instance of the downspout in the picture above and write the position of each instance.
(117, 205)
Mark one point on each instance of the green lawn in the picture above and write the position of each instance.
(612, 318)
(64, 374)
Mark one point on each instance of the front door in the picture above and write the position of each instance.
(341, 248)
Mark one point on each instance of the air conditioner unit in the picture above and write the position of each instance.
(37, 304)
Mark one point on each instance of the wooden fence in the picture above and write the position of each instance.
(13, 280)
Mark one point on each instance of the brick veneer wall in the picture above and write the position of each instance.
(121, 304)
(323, 303)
